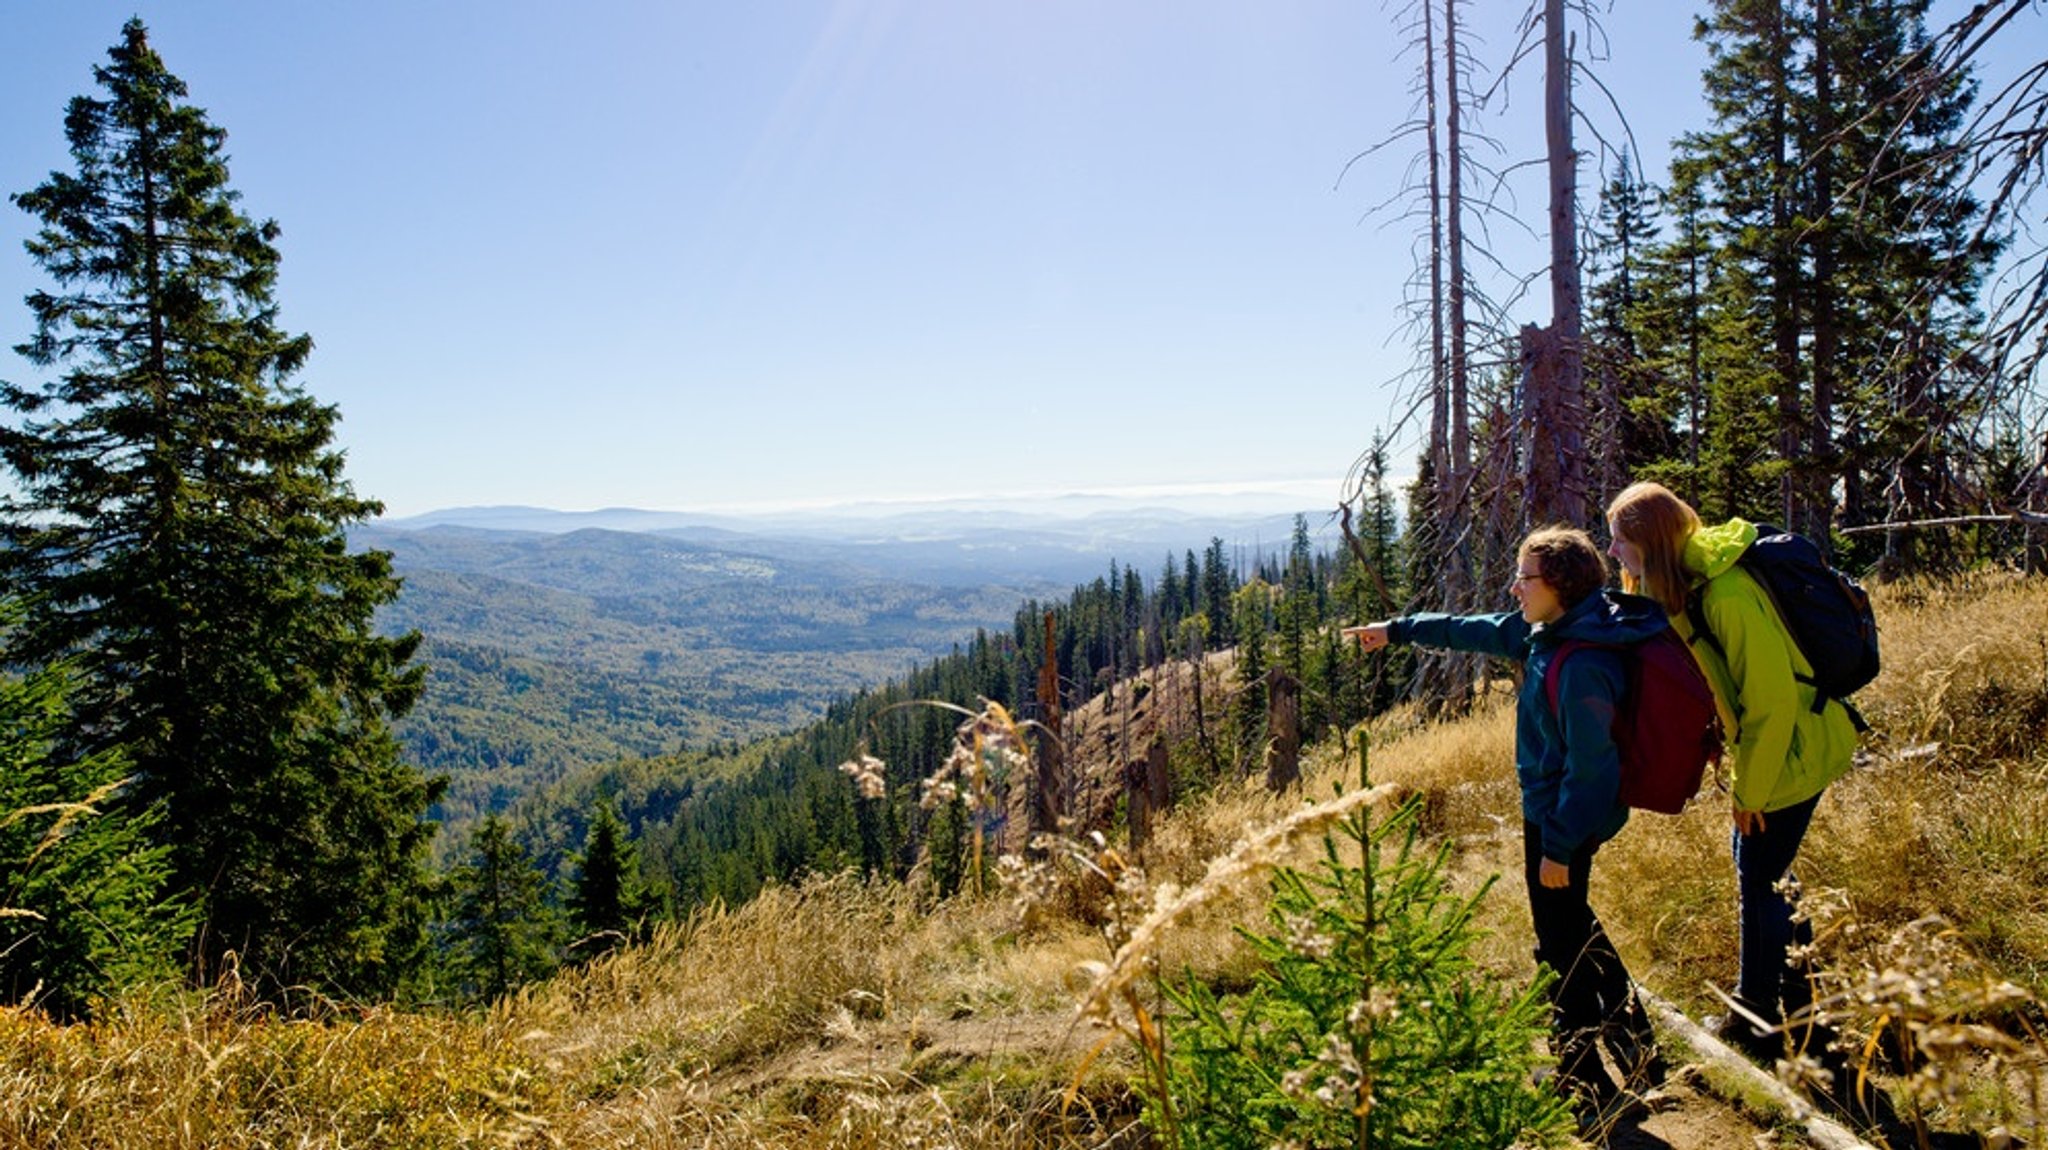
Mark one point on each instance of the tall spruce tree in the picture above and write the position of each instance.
(1633, 409)
(177, 528)
(1749, 162)
(1666, 334)
(606, 899)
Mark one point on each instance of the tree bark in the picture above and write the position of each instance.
(1283, 731)
(1820, 448)
(1784, 277)
(1565, 437)
(1049, 799)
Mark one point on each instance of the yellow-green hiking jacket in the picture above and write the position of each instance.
(1782, 751)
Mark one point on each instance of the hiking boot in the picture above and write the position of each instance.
(1633, 1045)
(1596, 1101)
(1739, 1033)
(1598, 1113)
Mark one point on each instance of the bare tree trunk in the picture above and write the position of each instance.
(1784, 274)
(1158, 787)
(1820, 448)
(1147, 793)
(1196, 661)
(1049, 802)
(1461, 435)
(1553, 404)
(1283, 726)
(1695, 375)
(1439, 382)
(1446, 679)
(2035, 496)
(1536, 424)
(1137, 804)
(1565, 438)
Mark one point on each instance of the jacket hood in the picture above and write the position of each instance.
(1712, 550)
(1609, 617)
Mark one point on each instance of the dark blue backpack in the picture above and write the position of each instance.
(1826, 612)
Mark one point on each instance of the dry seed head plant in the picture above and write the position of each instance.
(988, 748)
(1253, 857)
(1960, 1039)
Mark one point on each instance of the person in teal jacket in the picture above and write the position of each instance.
(1784, 752)
(1570, 775)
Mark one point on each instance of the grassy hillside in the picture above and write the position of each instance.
(835, 1014)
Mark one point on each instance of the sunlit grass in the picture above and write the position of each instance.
(219, 1073)
(838, 1013)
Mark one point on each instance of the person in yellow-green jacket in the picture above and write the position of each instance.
(1784, 751)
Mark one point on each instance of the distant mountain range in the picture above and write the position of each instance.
(1066, 540)
(558, 640)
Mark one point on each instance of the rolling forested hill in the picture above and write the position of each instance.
(558, 642)
(546, 653)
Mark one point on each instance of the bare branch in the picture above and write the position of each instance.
(2024, 518)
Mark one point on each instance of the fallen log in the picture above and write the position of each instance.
(1821, 1130)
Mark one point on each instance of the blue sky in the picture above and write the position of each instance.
(685, 255)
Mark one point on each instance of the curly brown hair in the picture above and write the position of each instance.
(1568, 560)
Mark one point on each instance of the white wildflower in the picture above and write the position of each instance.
(868, 775)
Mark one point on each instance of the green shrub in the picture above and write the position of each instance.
(1369, 1025)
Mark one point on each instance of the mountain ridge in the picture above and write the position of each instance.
(554, 650)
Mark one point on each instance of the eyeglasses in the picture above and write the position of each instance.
(1528, 576)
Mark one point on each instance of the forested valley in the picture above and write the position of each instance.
(547, 653)
(1831, 315)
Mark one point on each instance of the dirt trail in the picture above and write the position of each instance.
(1686, 1114)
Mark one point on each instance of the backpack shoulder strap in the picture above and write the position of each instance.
(1696, 612)
(1551, 672)
(1551, 669)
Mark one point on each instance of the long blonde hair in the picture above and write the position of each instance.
(1658, 524)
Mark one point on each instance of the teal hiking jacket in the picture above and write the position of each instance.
(1567, 764)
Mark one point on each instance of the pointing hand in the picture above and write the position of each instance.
(1371, 637)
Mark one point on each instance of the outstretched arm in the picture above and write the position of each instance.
(1504, 634)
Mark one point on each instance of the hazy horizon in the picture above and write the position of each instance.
(1193, 499)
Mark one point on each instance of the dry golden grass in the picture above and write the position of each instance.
(219, 1074)
(844, 1014)
(1949, 814)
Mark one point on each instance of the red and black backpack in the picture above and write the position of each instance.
(1666, 726)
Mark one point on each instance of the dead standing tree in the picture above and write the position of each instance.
(1553, 392)
(1458, 671)
(2004, 148)
(1049, 805)
(1148, 792)
(2002, 151)
(1443, 532)
(1283, 726)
